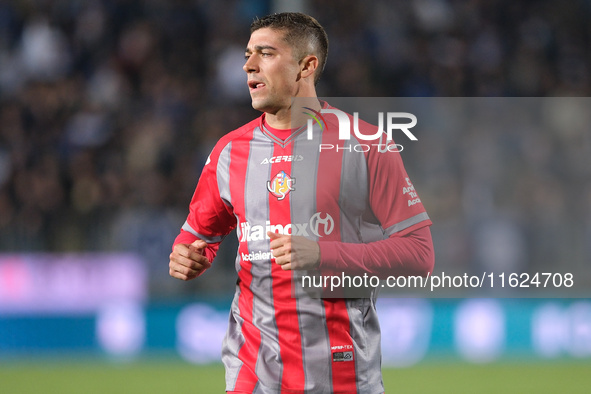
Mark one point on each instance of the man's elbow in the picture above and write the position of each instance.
(427, 254)
(429, 263)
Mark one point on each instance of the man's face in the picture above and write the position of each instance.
(273, 71)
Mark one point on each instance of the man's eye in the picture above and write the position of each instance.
(265, 54)
(246, 57)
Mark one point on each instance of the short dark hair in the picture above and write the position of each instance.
(302, 32)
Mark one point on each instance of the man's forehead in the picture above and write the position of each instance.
(267, 38)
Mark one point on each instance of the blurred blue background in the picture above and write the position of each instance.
(109, 108)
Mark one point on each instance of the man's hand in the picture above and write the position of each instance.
(294, 252)
(187, 261)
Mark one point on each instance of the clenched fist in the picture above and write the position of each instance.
(188, 261)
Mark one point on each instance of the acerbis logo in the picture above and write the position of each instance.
(279, 159)
(281, 185)
(319, 225)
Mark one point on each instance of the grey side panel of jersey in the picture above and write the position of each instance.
(269, 365)
(316, 351)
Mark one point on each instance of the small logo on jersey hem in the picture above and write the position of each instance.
(281, 185)
(342, 356)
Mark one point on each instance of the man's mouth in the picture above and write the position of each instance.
(255, 85)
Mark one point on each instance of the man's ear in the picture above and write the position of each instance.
(308, 66)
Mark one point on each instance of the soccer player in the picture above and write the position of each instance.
(297, 208)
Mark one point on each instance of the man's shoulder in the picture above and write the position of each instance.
(243, 131)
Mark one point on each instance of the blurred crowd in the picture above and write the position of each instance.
(108, 109)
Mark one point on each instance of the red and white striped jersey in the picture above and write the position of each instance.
(350, 201)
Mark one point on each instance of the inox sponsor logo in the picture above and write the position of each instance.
(345, 127)
(319, 225)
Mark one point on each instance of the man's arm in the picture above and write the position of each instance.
(190, 256)
(188, 261)
(410, 254)
(210, 219)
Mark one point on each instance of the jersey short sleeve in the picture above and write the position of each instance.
(210, 216)
(393, 198)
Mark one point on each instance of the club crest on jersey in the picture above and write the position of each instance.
(281, 185)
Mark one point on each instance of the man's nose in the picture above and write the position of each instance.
(250, 65)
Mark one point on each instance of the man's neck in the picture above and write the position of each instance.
(280, 120)
(292, 118)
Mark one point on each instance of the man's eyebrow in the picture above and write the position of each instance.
(259, 48)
